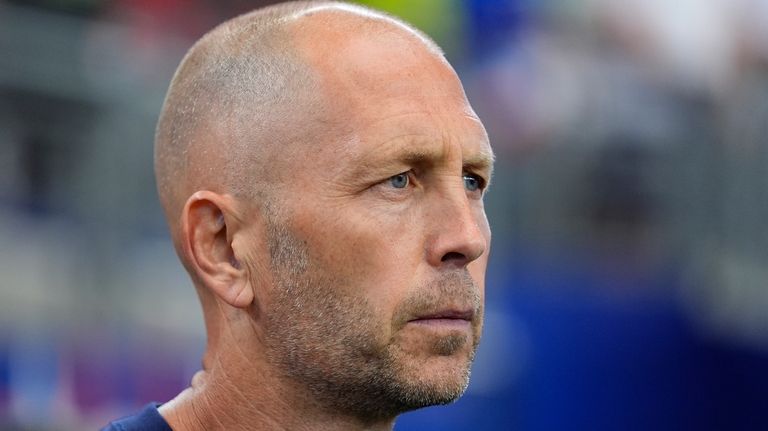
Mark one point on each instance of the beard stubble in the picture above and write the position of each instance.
(330, 342)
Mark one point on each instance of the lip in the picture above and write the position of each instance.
(445, 317)
(447, 314)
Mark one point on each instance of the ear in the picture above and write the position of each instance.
(206, 241)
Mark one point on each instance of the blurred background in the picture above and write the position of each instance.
(627, 284)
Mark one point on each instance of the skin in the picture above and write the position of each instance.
(345, 266)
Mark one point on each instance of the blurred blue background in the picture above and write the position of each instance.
(627, 284)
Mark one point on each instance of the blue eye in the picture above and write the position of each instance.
(472, 182)
(400, 181)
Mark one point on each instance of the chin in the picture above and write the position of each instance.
(437, 380)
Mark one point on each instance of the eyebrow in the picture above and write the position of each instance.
(480, 161)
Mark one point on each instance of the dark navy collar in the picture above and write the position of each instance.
(148, 419)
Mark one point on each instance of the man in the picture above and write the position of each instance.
(323, 175)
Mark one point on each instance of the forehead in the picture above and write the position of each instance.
(420, 137)
(386, 89)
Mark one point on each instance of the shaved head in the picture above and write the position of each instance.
(323, 175)
(247, 93)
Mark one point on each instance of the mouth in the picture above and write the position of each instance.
(445, 318)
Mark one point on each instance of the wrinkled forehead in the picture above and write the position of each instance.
(381, 77)
(359, 56)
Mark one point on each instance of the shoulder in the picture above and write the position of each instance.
(148, 419)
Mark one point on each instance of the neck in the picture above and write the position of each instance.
(240, 393)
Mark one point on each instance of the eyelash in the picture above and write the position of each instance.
(481, 182)
(407, 176)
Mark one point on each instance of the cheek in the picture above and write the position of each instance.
(477, 272)
(482, 222)
(370, 256)
(253, 255)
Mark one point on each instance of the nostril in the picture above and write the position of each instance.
(453, 256)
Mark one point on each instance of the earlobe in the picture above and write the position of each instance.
(207, 230)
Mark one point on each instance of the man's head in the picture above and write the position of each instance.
(322, 173)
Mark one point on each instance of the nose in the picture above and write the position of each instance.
(456, 237)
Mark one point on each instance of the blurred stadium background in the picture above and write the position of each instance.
(627, 285)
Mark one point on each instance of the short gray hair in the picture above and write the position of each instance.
(240, 84)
